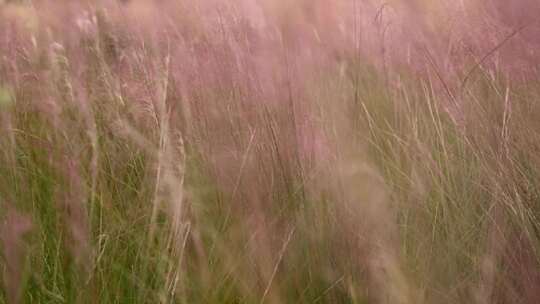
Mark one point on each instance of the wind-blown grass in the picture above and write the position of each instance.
(303, 152)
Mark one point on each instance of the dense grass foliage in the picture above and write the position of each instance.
(278, 152)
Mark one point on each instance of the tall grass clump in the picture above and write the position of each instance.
(269, 152)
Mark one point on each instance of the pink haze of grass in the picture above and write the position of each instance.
(272, 52)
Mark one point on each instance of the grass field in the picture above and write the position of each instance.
(275, 151)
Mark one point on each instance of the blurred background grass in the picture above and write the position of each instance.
(278, 152)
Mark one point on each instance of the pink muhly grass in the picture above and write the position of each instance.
(13, 229)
